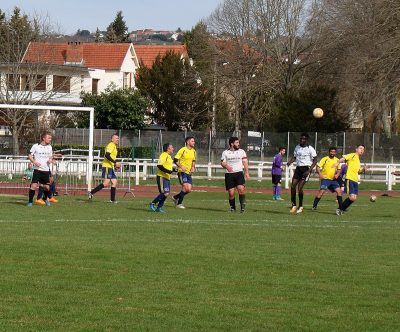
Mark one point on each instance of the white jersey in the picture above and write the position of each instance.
(304, 155)
(234, 158)
(42, 154)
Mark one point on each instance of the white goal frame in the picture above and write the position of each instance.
(69, 109)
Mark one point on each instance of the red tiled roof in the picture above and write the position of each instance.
(94, 55)
(147, 54)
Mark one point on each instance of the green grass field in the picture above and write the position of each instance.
(96, 266)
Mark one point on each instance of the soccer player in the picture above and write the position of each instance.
(234, 160)
(306, 158)
(277, 168)
(52, 191)
(164, 170)
(328, 176)
(40, 156)
(353, 170)
(107, 170)
(185, 159)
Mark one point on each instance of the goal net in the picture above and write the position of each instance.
(20, 128)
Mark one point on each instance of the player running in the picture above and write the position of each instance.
(328, 176)
(164, 170)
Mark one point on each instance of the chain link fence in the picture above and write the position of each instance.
(260, 146)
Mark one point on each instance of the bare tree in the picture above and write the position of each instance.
(25, 82)
(268, 51)
(358, 53)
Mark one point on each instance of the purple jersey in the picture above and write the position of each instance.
(277, 165)
(343, 170)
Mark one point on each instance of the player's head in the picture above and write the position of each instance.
(282, 150)
(332, 151)
(45, 137)
(189, 141)
(304, 139)
(234, 143)
(167, 147)
(360, 149)
(115, 138)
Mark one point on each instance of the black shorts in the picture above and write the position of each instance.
(232, 180)
(276, 179)
(299, 173)
(340, 181)
(42, 177)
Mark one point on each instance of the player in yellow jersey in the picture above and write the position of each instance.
(164, 170)
(353, 170)
(328, 178)
(107, 171)
(185, 159)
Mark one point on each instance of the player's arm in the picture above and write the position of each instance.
(363, 169)
(32, 160)
(315, 160)
(341, 160)
(246, 168)
(318, 169)
(177, 160)
(226, 166)
(291, 161)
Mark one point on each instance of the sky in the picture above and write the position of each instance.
(70, 15)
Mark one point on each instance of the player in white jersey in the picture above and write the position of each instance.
(234, 160)
(40, 156)
(306, 159)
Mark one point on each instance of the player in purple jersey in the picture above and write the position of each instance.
(277, 167)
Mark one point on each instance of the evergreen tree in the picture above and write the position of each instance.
(117, 31)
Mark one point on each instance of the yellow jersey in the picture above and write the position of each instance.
(186, 157)
(353, 166)
(325, 164)
(112, 149)
(164, 160)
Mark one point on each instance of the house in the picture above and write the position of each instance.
(60, 72)
(57, 73)
(147, 54)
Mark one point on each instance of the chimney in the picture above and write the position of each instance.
(74, 53)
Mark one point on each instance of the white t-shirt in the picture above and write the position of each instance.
(41, 153)
(234, 158)
(304, 155)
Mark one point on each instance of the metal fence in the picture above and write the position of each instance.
(260, 146)
(71, 174)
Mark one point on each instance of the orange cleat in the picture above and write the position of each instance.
(40, 202)
(53, 200)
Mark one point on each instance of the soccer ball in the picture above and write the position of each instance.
(318, 113)
(372, 198)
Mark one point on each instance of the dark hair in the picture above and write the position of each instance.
(361, 145)
(305, 135)
(43, 135)
(188, 138)
(232, 140)
(281, 148)
(332, 148)
(165, 147)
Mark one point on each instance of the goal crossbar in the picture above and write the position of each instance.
(70, 109)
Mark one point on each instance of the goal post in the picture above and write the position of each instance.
(68, 109)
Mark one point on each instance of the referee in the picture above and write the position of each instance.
(234, 160)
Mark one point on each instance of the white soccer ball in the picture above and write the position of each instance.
(318, 113)
(372, 198)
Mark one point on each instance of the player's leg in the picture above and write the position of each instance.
(240, 186)
(51, 191)
(165, 194)
(278, 188)
(352, 189)
(113, 191)
(32, 188)
(158, 198)
(186, 189)
(274, 187)
(293, 187)
(105, 183)
(322, 189)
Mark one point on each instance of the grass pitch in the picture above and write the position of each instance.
(96, 266)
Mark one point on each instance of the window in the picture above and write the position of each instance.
(126, 84)
(95, 86)
(13, 82)
(61, 83)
